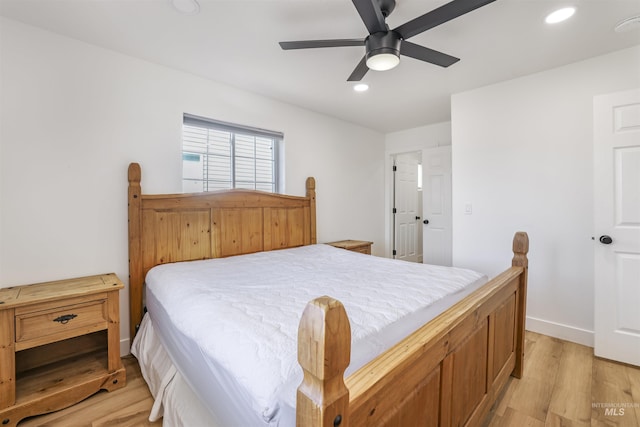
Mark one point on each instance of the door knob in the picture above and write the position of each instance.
(607, 240)
(426, 221)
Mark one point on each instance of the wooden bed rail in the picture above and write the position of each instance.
(447, 373)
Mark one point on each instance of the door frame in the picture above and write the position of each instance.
(388, 193)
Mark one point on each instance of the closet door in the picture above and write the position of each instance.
(617, 226)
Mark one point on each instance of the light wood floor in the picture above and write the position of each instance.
(564, 385)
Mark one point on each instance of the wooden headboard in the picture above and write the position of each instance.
(183, 227)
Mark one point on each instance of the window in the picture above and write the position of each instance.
(219, 156)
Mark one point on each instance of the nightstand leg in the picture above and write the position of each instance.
(7, 359)
(113, 332)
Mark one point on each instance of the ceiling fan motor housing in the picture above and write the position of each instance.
(383, 42)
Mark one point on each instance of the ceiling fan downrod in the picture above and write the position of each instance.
(386, 6)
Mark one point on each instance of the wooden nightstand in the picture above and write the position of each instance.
(59, 344)
(361, 246)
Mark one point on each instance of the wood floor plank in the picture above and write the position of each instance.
(531, 397)
(133, 415)
(576, 367)
(571, 396)
(544, 359)
(571, 404)
(555, 420)
(634, 381)
(612, 395)
(513, 417)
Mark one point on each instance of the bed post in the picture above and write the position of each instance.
(520, 250)
(136, 278)
(324, 352)
(311, 194)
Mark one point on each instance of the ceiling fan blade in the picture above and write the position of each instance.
(425, 54)
(439, 16)
(371, 15)
(310, 44)
(360, 70)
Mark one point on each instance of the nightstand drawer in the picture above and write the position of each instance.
(48, 322)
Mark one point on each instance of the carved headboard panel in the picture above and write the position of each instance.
(182, 227)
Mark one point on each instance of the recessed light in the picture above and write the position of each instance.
(560, 15)
(187, 7)
(628, 24)
(361, 87)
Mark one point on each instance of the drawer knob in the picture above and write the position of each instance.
(65, 318)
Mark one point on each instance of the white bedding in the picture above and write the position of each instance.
(216, 318)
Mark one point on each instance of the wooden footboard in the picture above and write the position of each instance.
(447, 373)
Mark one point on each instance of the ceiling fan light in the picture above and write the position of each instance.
(382, 61)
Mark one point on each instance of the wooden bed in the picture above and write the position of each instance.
(449, 372)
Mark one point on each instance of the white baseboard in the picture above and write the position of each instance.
(125, 347)
(558, 330)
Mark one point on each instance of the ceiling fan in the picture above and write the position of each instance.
(384, 46)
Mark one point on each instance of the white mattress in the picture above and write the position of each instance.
(230, 325)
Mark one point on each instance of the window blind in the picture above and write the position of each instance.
(219, 155)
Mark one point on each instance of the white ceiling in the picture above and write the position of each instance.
(236, 42)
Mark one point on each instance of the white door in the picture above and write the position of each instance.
(406, 213)
(617, 226)
(436, 196)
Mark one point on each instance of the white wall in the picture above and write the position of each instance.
(416, 139)
(522, 155)
(74, 115)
